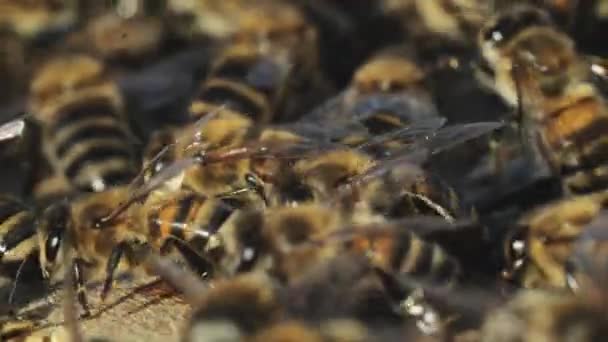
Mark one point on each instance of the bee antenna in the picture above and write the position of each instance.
(11, 297)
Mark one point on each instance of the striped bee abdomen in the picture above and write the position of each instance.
(91, 143)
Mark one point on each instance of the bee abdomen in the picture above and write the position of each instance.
(176, 218)
(17, 223)
(92, 109)
(92, 145)
(427, 260)
(237, 96)
(583, 159)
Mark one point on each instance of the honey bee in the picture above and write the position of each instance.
(113, 38)
(559, 314)
(449, 23)
(72, 233)
(539, 249)
(31, 19)
(271, 28)
(537, 69)
(266, 24)
(244, 80)
(84, 133)
(218, 310)
(385, 93)
(546, 316)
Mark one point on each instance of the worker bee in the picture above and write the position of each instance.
(537, 69)
(244, 80)
(73, 233)
(546, 315)
(84, 133)
(267, 24)
(33, 19)
(559, 314)
(114, 38)
(437, 24)
(386, 93)
(218, 310)
(539, 248)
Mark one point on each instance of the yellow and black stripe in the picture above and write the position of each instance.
(245, 81)
(92, 144)
(17, 224)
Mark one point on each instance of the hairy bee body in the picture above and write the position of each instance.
(545, 316)
(386, 92)
(537, 69)
(84, 132)
(17, 223)
(183, 221)
(449, 22)
(542, 246)
(34, 19)
(244, 80)
(402, 252)
(219, 312)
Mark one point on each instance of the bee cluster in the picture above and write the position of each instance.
(309, 170)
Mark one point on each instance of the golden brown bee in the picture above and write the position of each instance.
(33, 18)
(449, 21)
(537, 69)
(270, 25)
(183, 222)
(229, 309)
(244, 80)
(84, 132)
(118, 39)
(399, 251)
(387, 92)
(538, 251)
(534, 315)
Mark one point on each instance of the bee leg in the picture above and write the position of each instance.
(113, 260)
(199, 264)
(80, 287)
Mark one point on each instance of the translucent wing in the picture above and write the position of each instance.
(412, 132)
(427, 141)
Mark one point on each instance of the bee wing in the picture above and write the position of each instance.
(12, 129)
(427, 140)
(454, 135)
(420, 225)
(420, 129)
(166, 174)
